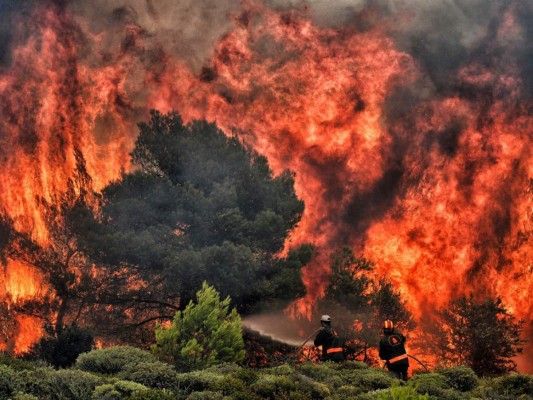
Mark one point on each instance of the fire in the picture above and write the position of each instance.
(433, 184)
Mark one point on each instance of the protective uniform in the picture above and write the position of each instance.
(329, 340)
(392, 350)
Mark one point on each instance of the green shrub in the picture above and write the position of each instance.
(320, 372)
(24, 396)
(460, 378)
(368, 379)
(229, 385)
(397, 392)
(268, 385)
(152, 394)
(8, 381)
(157, 375)
(247, 375)
(347, 365)
(515, 384)
(436, 386)
(63, 349)
(198, 381)
(106, 392)
(46, 383)
(204, 334)
(346, 392)
(281, 370)
(293, 395)
(17, 364)
(119, 390)
(113, 359)
(305, 384)
(206, 395)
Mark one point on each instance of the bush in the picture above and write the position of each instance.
(247, 375)
(229, 385)
(397, 392)
(430, 383)
(113, 359)
(17, 364)
(198, 381)
(268, 385)
(8, 381)
(46, 383)
(152, 394)
(118, 390)
(436, 386)
(346, 392)
(204, 334)
(24, 396)
(515, 384)
(62, 350)
(460, 378)
(155, 375)
(369, 379)
(207, 395)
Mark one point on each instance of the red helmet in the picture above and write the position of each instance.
(388, 325)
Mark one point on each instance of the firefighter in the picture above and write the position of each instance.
(329, 340)
(392, 350)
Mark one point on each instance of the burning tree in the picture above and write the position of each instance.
(480, 334)
(200, 206)
(360, 302)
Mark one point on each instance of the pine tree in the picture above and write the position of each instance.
(204, 334)
(482, 335)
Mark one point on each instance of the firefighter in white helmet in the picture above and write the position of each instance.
(329, 340)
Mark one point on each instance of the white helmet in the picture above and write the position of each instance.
(325, 318)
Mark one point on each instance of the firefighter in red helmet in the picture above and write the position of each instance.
(329, 340)
(392, 350)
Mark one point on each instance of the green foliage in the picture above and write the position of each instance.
(481, 335)
(204, 334)
(152, 374)
(460, 378)
(436, 386)
(397, 392)
(17, 364)
(8, 381)
(24, 396)
(200, 206)
(48, 384)
(205, 395)
(62, 349)
(152, 394)
(326, 381)
(198, 381)
(370, 379)
(515, 384)
(112, 360)
(118, 390)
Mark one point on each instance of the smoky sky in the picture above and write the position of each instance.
(439, 34)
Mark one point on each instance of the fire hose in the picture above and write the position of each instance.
(414, 358)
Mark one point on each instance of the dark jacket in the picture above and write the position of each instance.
(392, 350)
(331, 345)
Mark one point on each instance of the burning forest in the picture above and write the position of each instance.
(387, 139)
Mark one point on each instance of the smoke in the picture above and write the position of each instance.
(280, 327)
(188, 29)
